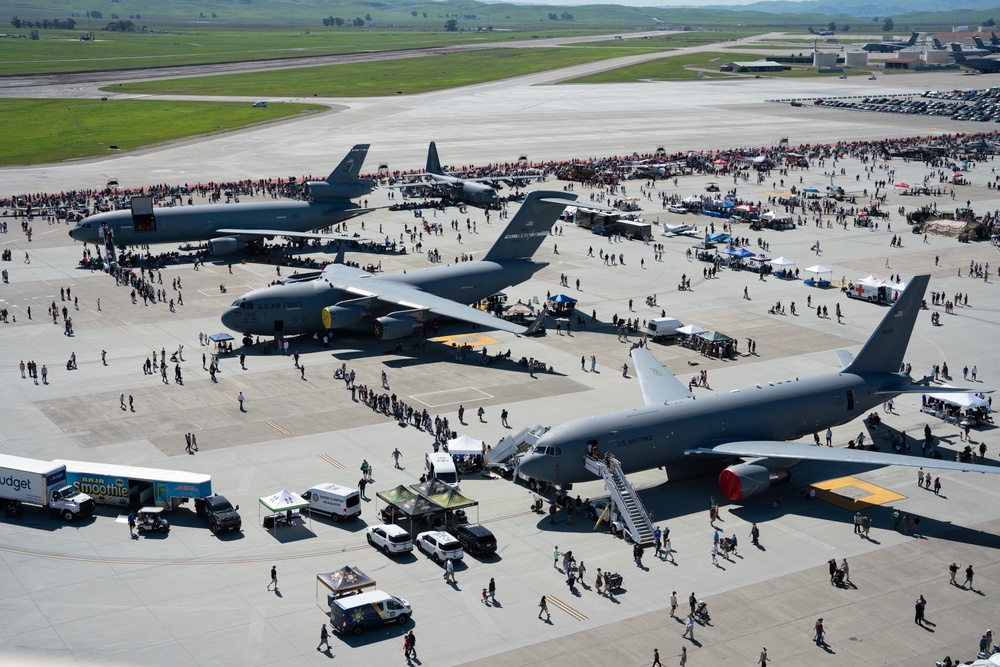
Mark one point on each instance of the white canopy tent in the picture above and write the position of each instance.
(964, 400)
(691, 330)
(818, 269)
(782, 262)
(465, 445)
(282, 501)
(776, 215)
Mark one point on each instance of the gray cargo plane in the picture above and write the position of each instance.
(985, 64)
(342, 297)
(683, 433)
(478, 191)
(230, 227)
(890, 47)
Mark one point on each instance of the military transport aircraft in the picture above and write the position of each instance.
(478, 191)
(985, 64)
(341, 297)
(890, 47)
(681, 433)
(230, 227)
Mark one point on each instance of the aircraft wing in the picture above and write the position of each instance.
(411, 298)
(296, 235)
(806, 452)
(659, 386)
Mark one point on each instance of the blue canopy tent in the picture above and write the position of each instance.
(717, 238)
(560, 304)
(220, 337)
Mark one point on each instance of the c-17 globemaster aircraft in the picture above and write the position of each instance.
(230, 227)
(675, 429)
(342, 297)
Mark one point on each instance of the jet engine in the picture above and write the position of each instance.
(339, 317)
(324, 191)
(748, 479)
(226, 245)
(390, 328)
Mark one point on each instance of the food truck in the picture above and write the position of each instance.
(111, 484)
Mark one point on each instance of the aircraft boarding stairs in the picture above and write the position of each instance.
(630, 508)
(513, 446)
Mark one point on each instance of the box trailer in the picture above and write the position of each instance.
(42, 483)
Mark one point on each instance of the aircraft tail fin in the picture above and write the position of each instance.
(937, 44)
(913, 39)
(994, 39)
(957, 50)
(350, 167)
(884, 350)
(433, 163)
(530, 225)
(979, 42)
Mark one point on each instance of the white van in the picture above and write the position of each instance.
(660, 327)
(260, 105)
(340, 502)
(354, 613)
(441, 466)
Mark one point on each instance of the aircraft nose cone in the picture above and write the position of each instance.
(229, 319)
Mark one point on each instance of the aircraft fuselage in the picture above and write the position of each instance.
(296, 307)
(178, 224)
(648, 437)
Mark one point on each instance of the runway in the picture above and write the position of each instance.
(86, 592)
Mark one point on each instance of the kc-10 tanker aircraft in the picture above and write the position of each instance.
(230, 227)
(342, 297)
(676, 430)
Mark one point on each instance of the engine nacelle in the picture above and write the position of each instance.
(324, 191)
(390, 328)
(226, 245)
(748, 479)
(339, 317)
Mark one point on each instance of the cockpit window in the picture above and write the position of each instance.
(236, 303)
(539, 449)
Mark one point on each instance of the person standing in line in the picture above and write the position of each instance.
(543, 608)
(819, 632)
(274, 578)
(324, 637)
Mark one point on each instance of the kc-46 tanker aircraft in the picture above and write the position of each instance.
(676, 430)
(342, 297)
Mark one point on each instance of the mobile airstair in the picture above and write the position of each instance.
(630, 508)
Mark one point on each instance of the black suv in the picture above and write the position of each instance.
(220, 513)
(475, 539)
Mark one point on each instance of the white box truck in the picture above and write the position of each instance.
(42, 483)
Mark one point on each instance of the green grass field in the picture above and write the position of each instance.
(389, 77)
(61, 51)
(53, 130)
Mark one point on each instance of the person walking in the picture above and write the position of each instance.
(543, 608)
(918, 615)
(449, 571)
(673, 604)
(492, 590)
(480, 412)
(413, 644)
(362, 483)
(274, 578)
(240, 399)
(121, 400)
(968, 577)
(762, 660)
(555, 558)
(952, 571)
(656, 658)
(324, 637)
(819, 632)
(683, 655)
(689, 627)
(187, 439)
(131, 524)
(395, 456)
(692, 601)
(754, 534)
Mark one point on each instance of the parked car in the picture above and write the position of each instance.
(476, 539)
(676, 208)
(597, 508)
(440, 546)
(390, 538)
(219, 512)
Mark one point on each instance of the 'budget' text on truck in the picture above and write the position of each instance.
(42, 483)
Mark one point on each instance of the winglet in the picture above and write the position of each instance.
(530, 225)
(884, 350)
(433, 163)
(350, 167)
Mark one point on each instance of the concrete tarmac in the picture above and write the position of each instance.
(86, 592)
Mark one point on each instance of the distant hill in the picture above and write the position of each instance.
(864, 8)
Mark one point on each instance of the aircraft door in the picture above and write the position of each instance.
(850, 400)
(279, 327)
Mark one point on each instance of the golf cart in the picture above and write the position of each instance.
(151, 519)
